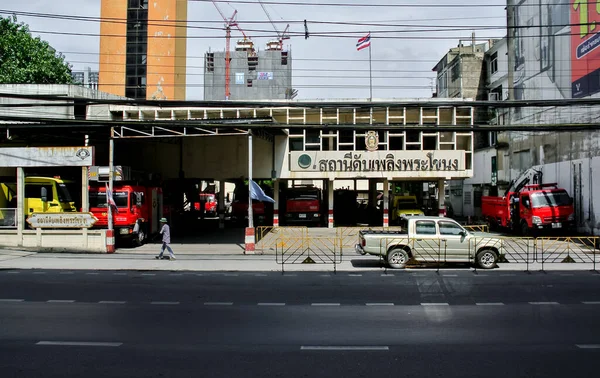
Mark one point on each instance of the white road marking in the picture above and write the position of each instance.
(507, 275)
(566, 274)
(337, 348)
(591, 303)
(148, 274)
(39, 272)
(176, 274)
(387, 275)
(490, 304)
(231, 274)
(543, 303)
(92, 273)
(379, 304)
(295, 275)
(435, 304)
(271, 304)
(112, 302)
(450, 275)
(66, 273)
(11, 300)
(355, 275)
(588, 346)
(13, 272)
(481, 275)
(120, 274)
(260, 275)
(164, 303)
(79, 343)
(324, 304)
(199, 274)
(61, 301)
(218, 303)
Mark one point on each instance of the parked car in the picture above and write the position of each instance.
(430, 239)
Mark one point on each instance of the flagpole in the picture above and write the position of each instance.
(370, 77)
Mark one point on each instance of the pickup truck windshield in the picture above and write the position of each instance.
(546, 199)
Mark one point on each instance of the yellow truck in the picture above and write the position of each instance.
(404, 206)
(42, 195)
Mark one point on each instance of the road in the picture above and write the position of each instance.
(304, 324)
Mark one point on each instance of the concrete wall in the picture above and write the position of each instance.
(56, 240)
(203, 157)
(268, 61)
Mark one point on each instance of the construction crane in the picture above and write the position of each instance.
(280, 36)
(229, 22)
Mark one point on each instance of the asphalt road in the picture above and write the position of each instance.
(306, 324)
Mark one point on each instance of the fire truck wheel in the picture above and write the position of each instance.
(524, 229)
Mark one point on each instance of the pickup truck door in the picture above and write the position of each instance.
(426, 242)
(456, 244)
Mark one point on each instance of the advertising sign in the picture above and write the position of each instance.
(585, 47)
(46, 156)
(265, 76)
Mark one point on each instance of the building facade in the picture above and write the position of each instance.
(86, 78)
(253, 75)
(557, 59)
(143, 56)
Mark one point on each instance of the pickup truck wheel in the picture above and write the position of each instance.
(487, 259)
(397, 258)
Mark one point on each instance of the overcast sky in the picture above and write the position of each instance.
(325, 67)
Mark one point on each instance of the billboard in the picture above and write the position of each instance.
(585, 47)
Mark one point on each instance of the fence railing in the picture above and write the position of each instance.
(307, 250)
(267, 237)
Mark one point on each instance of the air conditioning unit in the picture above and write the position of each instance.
(492, 96)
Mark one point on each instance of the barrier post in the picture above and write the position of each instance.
(110, 241)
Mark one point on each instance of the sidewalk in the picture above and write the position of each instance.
(14, 259)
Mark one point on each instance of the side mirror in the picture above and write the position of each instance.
(44, 194)
(227, 198)
(139, 198)
(570, 200)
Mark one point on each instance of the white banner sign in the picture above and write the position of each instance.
(62, 220)
(47, 157)
(265, 76)
(377, 161)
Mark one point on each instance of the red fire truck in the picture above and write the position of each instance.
(529, 209)
(304, 204)
(139, 210)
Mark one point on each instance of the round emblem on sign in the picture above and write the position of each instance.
(82, 153)
(304, 161)
(371, 140)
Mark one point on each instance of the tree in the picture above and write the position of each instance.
(28, 60)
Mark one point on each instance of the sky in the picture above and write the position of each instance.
(408, 38)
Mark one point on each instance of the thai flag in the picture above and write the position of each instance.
(110, 200)
(364, 42)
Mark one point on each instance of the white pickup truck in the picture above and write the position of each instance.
(430, 240)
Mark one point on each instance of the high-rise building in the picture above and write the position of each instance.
(254, 75)
(143, 48)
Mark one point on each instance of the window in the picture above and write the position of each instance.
(425, 228)
(449, 228)
(35, 191)
(494, 63)
(455, 71)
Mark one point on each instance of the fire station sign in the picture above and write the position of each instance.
(377, 161)
(47, 156)
(62, 220)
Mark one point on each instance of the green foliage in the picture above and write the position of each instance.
(28, 60)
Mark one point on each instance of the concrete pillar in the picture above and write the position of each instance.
(20, 203)
(330, 204)
(85, 195)
(386, 216)
(221, 205)
(441, 197)
(276, 204)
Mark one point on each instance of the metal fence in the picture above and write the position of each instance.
(267, 237)
(348, 236)
(477, 227)
(308, 250)
(8, 218)
(527, 250)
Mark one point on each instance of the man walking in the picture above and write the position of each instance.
(165, 231)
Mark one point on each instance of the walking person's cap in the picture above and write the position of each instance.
(163, 220)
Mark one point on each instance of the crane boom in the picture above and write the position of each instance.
(280, 36)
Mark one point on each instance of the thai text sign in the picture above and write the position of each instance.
(62, 220)
(377, 161)
(47, 156)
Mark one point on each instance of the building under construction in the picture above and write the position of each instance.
(257, 75)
